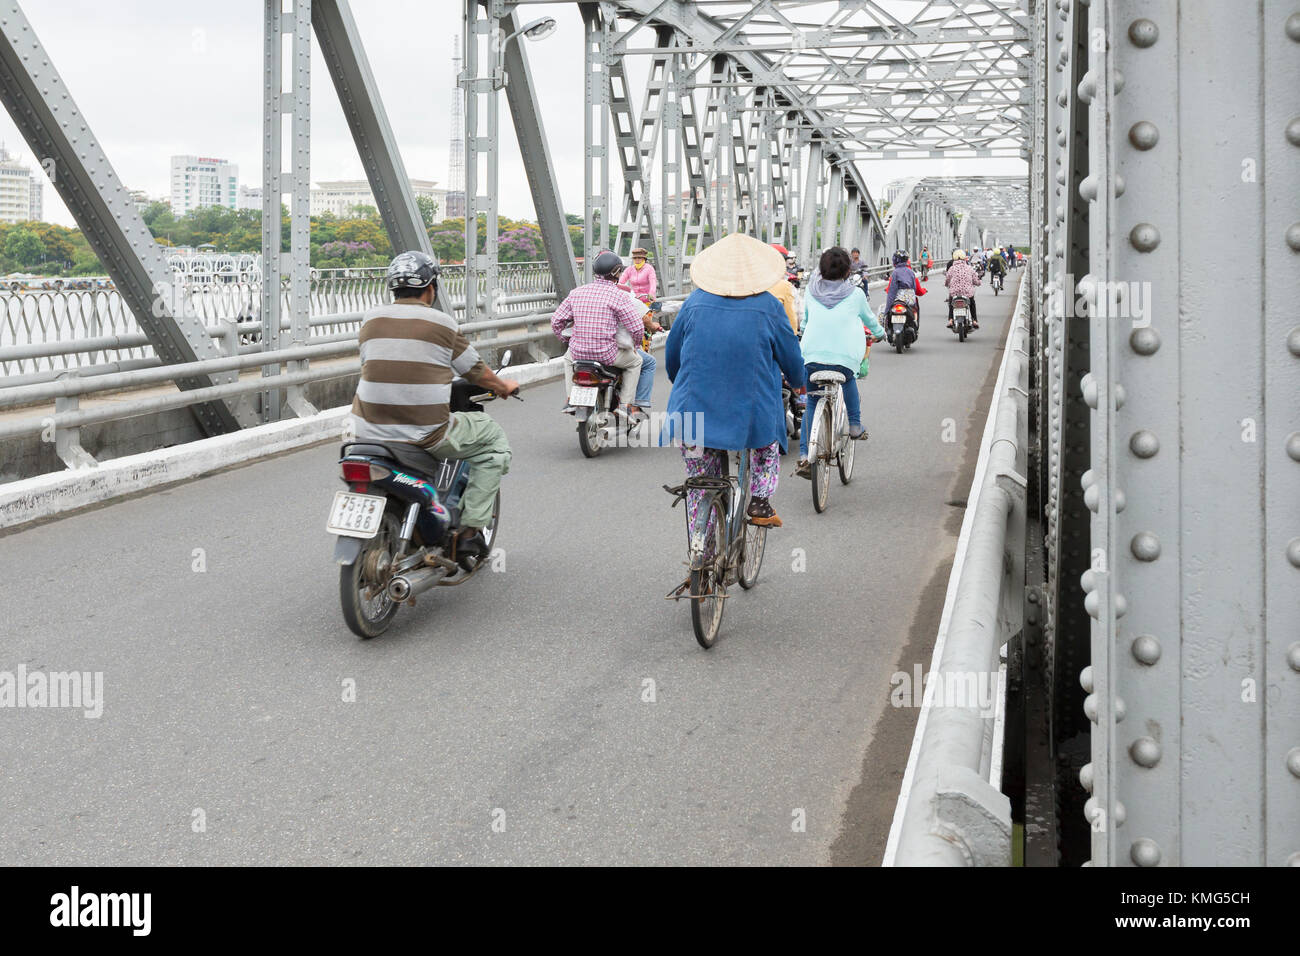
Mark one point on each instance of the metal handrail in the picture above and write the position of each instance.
(951, 811)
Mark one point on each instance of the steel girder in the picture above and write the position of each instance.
(47, 116)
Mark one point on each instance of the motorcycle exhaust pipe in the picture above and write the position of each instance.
(408, 585)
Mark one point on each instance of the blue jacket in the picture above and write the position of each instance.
(725, 357)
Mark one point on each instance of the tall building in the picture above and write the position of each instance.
(250, 197)
(203, 181)
(20, 190)
(341, 196)
(455, 205)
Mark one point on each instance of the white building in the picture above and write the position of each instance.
(21, 190)
(341, 196)
(203, 181)
(250, 197)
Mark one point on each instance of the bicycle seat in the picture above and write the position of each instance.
(836, 377)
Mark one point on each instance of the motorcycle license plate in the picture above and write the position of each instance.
(959, 313)
(583, 395)
(355, 516)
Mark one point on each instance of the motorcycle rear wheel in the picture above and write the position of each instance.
(589, 439)
(369, 617)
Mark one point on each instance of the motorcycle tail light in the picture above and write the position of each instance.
(363, 472)
(900, 308)
(584, 377)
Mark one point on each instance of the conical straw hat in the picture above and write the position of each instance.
(737, 265)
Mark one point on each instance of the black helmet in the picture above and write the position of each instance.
(900, 257)
(607, 265)
(411, 270)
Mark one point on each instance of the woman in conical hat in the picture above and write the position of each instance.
(726, 352)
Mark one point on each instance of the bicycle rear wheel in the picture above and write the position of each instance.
(819, 457)
(708, 582)
(752, 558)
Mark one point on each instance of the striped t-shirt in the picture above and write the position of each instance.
(409, 352)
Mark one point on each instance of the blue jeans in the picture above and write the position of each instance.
(646, 383)
(852, 400)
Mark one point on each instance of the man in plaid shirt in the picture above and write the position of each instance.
(598, 311)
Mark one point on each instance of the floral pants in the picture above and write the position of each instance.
(764, 471)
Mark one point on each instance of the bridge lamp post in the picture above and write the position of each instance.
(536, 30)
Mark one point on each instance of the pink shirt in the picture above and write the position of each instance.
(641, 281)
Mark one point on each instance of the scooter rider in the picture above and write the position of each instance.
(904, 285)
(409, 353)
(961, 280)
(997, 265)
(598, 310)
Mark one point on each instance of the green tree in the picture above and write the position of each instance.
(428, 210)
(24, 247)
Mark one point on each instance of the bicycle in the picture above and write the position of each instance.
(829, 439)
(723, 547)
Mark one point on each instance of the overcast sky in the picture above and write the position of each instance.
(159, 77)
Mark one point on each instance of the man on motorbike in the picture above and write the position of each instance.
(997, 265)
(409, 354)
(598, 310)
(961, 280)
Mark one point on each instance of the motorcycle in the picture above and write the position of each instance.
(997, 282)
(397, 523)
(961, 323)
(794, 401)
(901, 325)
(593, 401)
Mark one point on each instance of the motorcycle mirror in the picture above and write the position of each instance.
(505, 358)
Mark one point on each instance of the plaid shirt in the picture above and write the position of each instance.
(597, 310)
(961, 279)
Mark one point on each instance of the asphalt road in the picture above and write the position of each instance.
(505, 721)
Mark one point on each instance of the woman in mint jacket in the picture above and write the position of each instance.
(837, 318)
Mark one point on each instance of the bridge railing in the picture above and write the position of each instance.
(46, 333)
(951, 810)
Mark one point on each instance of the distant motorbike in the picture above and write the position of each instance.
(397, 523)
(961, 323)
(997, 282)
(594, 401)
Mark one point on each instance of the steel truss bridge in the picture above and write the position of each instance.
(1132, 566)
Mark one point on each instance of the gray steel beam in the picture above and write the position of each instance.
(345, 58)
(521, 94)
(47, 117)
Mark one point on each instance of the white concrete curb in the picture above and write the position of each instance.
(45, 496)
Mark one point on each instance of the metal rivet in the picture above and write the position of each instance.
(1293, 446)
(1087, 87)
(1143, 135)
(1293, 552)
(1293, 761)
(1090, 707)
(1293, 236)
(1146, 649)
(1120, 709)
(1145, 852)
(1144, 237)
(1145, 546)
(1144, 341)
(1293, 656)
(1086, 480)
(1144, 444)
(1085, 679)
(1119, 191)
(1088, 188)
(1117, 79)
(1121, 395)
(1088, 581)
(1293, 341)
(1292, 131)
(1143, 32)
(1293, 27)
(1088, 387)
(1145, 752)
(1085, 777)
